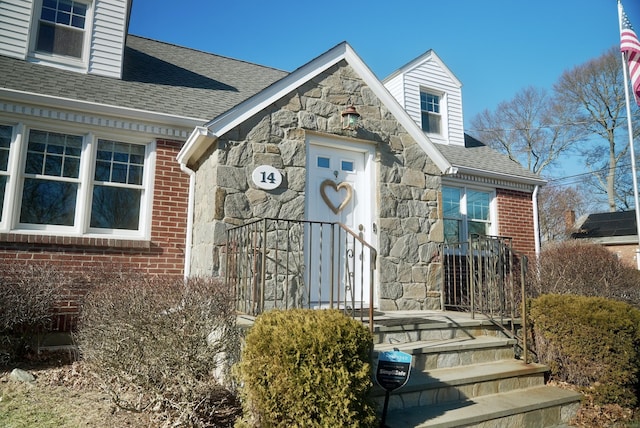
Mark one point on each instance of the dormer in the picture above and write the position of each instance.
(84, 36)
(432, 96)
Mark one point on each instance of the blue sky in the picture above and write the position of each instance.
(494, 47)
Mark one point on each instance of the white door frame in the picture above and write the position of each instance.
(364, 193)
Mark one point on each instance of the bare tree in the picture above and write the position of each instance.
(530, 129)
(557, 207)
(594, 92)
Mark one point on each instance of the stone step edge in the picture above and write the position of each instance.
(446, 345)
(482, 409)
(440, 324)
(465, 375)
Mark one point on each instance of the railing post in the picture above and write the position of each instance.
(525, 333)
(263, 267)
(472, 285)
(373, 254)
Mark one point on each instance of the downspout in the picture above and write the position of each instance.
(536, 220)
(189, 236)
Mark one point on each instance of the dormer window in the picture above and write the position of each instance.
(430, 110)
(61, 28)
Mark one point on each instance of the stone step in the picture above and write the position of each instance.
(405, 330)
(542, 406)
(446, 385)
(429, 355)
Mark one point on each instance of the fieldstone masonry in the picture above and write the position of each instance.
(408, 183)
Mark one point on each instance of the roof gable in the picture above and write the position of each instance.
(418, 62)
(203, 136)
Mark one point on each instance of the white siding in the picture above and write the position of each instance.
(396, 87)
(107, 38)
(431, 74)
(15, 17)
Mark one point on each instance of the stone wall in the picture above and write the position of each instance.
(408, 222)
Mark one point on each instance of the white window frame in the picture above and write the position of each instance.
(439, 114)
(58, 60)
(493, 210)
(10, 222)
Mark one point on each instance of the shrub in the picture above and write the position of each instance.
(575, 267)
(590, 342)
(28, 295)
(306, 368)
(160, 344)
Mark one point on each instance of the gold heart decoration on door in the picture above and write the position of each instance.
(337, 188)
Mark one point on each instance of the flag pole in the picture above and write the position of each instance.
(630, 131)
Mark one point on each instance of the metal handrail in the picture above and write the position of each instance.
(276, 263)
(481, 276)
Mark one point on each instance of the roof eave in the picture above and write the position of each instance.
(98, 108)
(500, 176)
(199, 140)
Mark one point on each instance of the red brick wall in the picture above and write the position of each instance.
(515, 219)
(163, 254)
(626, 253)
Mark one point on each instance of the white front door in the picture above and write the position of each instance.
(340, 179)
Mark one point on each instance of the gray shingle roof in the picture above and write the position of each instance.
(157, 77)
(476, 155)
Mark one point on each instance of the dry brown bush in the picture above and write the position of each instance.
(160, 345)
(585, 269)
(28, 295)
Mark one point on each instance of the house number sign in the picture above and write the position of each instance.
(266, 177)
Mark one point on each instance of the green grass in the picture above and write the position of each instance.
(25, 406)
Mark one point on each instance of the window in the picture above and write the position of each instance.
(324, 162)
(347, 165)
(430, 112)
(61, 28)
(5, 142)
(77, 184)
(51, 179)
(117, 189)
(466, 212)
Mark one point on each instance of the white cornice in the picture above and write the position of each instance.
(464, 171)
(46, 106)
(504, 182)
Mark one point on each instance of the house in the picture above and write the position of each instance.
(116, 149)
(614, 230)
(406, 179)
(89, 133)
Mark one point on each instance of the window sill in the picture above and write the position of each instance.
(74, 241)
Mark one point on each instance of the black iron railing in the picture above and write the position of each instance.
(487, 276)
(285, 264)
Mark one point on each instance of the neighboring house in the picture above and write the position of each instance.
(120, 150)
(615, 230)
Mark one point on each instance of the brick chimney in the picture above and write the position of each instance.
(569, 220)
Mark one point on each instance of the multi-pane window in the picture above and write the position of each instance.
(5, 143)
(466, 212)
(430, 112)
(51, 178)
(71, 183)
(117, 189)
(61, 27)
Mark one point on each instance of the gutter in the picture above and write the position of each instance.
(189, 233)
(198, 137)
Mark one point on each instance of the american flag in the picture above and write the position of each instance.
(630, 45)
